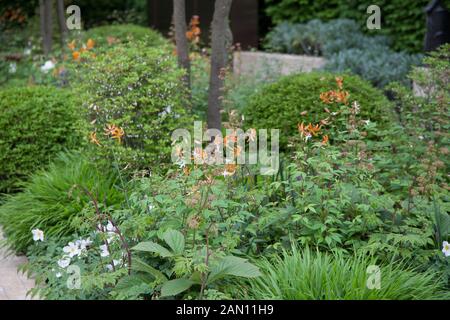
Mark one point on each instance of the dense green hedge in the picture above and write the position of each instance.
(124, 33)
(403, 20)
(35, 124)
(282, 104)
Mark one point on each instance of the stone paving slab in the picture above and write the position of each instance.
(13, 285)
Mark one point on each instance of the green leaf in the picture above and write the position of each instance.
(174, 287)
(139, 265)
(130, 281)
(175, 240)
(150, 246)
(233, 266)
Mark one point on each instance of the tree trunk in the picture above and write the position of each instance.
(45, 10)
(219, 29)
(179, 16)
(62, 23)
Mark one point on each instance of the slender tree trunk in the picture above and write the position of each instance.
(219, 29)
(62, 23)
(45, 10)
(179, 16)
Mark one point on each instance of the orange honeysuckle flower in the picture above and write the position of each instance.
(325, 140)
(76, 55)
(340, 82)
(90, 44)
(93, 138)
(71, 45)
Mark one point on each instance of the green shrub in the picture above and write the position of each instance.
(279, 105)
(310, 275)
(320, 38)
(124, 34)
(379, 65)
(51, 202)
(139, 89)
(347, 51)
(36, 124)
(402, 20)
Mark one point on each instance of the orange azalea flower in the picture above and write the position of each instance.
(340, 82)
(90, 44)
(325, 139)
(93, 138)
(76, 55)
(71, 45)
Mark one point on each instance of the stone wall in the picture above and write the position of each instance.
(247, 63)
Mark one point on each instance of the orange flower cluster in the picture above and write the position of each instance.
(13, 15)
(339, 96)
(85, 47)
(193, 34)
(114, 132)
(309, 131)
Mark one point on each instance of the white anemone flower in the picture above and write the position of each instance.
(110, 227)
(72, 249)
(84, 243)
(105, 251)
(48, 65)
(115, 262)
(38, 235)
(64, 262)
(12, 67)
(446, 248)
